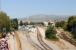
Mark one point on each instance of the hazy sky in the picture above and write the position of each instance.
(23, 8)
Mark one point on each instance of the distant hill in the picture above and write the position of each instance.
(41, 18)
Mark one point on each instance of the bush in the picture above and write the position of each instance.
(50, 33)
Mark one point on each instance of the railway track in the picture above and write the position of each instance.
(43, 46)
(63, 36)
(32, 43)
(39, 37)
(18, 41)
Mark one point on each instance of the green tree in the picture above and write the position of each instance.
(71, 26)
(50, 33)
(14, 24)
(4, 22)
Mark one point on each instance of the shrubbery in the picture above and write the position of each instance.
(50, 33)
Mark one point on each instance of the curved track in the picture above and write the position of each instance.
(32, 43)
(42, 42)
